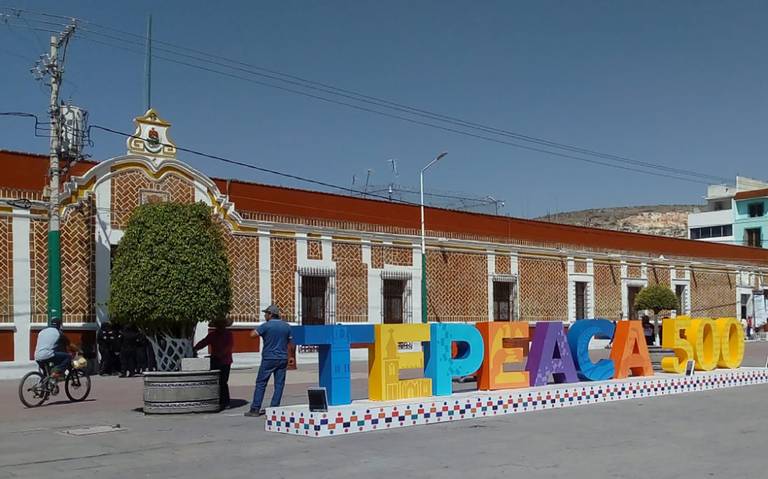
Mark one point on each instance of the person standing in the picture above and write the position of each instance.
(128, 351)
(648, 331)
(276, 334)
(104, 339)
(221, 342)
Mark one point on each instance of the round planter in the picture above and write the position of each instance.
(181, 392)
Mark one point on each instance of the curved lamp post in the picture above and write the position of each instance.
(423, 240)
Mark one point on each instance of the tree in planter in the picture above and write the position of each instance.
(657, 298)
(170, 273)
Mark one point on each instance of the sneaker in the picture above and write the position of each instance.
(252, 414)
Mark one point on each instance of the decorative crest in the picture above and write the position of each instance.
(151, 137)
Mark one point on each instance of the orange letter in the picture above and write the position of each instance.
(630, 353)
(491, 375)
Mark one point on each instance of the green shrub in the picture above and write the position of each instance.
(656, 298)
(170, 271)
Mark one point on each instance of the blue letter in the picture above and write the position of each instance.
(579, 335)
(334, 343)
(440, 367)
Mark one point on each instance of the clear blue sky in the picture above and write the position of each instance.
(678, 83)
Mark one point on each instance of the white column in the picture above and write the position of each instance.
(22, 286)
(102, 258)
(374, 285)
(416, 285)
(491, 271)
(265, 270)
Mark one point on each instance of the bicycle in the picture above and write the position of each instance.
(36, 387)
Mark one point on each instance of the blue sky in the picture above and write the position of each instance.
(678, 83)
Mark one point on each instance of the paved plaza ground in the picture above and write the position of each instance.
(709, 434)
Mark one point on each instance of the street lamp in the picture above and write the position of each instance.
(423, 240)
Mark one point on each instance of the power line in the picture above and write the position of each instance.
(359, 97)
(410, 120)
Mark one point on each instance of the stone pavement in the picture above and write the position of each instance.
(709, 434)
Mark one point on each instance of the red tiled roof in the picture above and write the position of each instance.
(745, 195)
(28, 171)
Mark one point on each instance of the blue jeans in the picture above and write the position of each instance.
(269, 367)
(60, 361)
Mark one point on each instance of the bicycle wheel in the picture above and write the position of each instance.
(32, 390)
(77, 385)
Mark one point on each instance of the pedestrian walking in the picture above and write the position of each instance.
(220, 342)
(275, 334)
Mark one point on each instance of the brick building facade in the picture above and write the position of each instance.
(326, 258)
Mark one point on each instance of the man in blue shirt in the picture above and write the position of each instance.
(275, 334)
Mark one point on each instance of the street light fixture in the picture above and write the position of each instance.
(423, 240)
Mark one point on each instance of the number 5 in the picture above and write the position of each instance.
(672, 327)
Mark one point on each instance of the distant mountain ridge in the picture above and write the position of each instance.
(660, 220)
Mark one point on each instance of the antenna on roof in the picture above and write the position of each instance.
(367, 180)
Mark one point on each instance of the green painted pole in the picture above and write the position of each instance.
(54, 275)
(424, 301)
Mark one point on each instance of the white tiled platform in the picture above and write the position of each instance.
(365, 416)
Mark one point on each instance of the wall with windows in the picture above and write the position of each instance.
(750, 226)
(351, 269)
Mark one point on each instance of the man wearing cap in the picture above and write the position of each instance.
(275, 334)
(52, 346)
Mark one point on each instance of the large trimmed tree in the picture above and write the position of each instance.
(657, 298)
(169, 274)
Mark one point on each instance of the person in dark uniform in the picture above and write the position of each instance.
(141, 353)
(115, 344)
(104, 340)
(128, 351)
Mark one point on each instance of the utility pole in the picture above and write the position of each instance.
(53, 67)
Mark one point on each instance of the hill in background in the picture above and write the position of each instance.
(660, 220)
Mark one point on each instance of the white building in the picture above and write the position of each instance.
(715, 220)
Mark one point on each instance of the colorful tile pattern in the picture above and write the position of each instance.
(365, 416)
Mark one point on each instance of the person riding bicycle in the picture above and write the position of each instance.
(52, 346)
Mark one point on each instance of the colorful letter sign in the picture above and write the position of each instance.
(629, 352)
(441, 368)
(579, 335)
(385, 363)
(457, 349)
(491, 375)
(550, 355)
(333, 342)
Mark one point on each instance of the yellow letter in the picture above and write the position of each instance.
(672, 327)
(385, 363)
(705, 338)
(731, 343)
